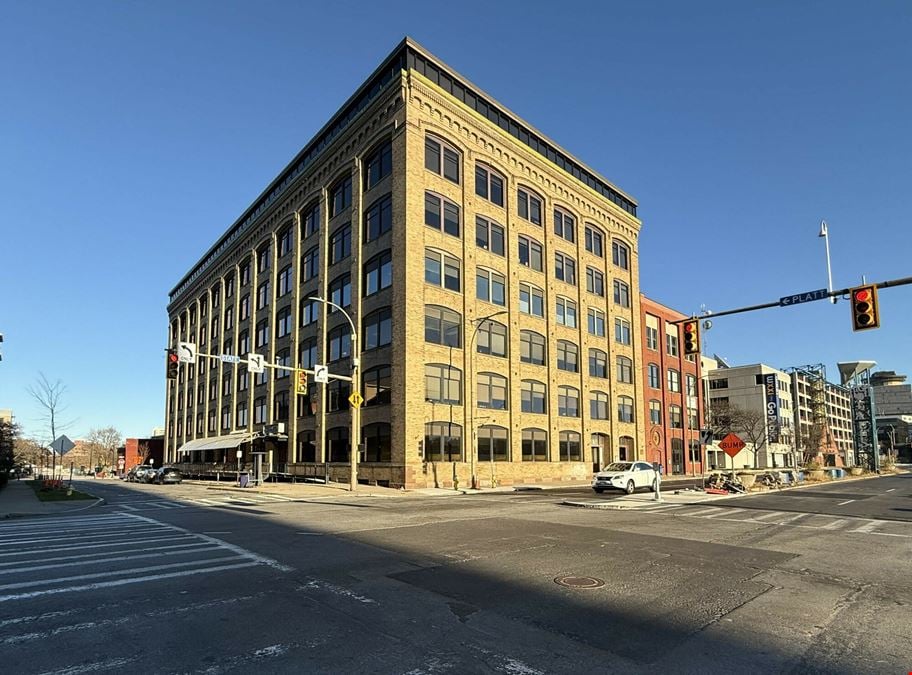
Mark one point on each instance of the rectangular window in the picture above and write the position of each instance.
(379, 218)
(286, 280)
(264, 258)
(286, 242)
(340, 292)
(674, 381)
(310, 264)
(566, 312)
(621, 331)
(441, 214)
(532, 348)
(283, 322)
(378, 273)
(530, 253)
(263, 295)
(531, 300)
(489, 235)
(652, 338)
(441, 269)
(443, 384)
(653, 376)
(340, 244)
(671, 344)
(595, 322)
(621, 294)
(378, 329)
(565, 268)
(595, 282)
(490, 287)
(533, 397)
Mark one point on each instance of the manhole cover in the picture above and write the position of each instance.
(579, 582)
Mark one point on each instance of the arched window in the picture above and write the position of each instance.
(492, 391)
(598, 405)
(570, 447)
(441, 158)
(307, 449)
(443, 384)
(620, 254)
(377, 442)
(567, 356)
(442, 442)
(564, 224)
(337, 445)
(625, 409)
(378, 328)
(595, 240)
(567, 401)
(533, 396)
(624, 370)
(489, 184)
(442, 326)
(534, 445)
(529, 205)
(492, 338)
(598, 363)
(493, 440)
(377, 386)
(626, 448)
(532, 347)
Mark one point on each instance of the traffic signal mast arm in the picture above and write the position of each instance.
(905, 281)
(276, 366)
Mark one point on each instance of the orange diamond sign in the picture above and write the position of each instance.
(732, 445)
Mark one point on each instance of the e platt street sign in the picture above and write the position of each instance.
(798, 298)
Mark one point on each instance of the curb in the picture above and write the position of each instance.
(715, 498)
(99, 501)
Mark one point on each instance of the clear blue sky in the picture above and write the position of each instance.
(133, 133)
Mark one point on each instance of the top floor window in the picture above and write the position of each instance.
(379, 164)
(441, 158)
(310, 218)
(489, 185)
(340, 197)
(620, 255)
(286, 241)
(621, 293)
(595, 241)
(264, 257)
(530, 206)
(564, 225)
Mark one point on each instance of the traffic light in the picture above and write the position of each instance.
(865, 313)
(173, 364)
(691, 337)
(301, 382)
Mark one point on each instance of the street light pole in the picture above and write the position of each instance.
(355, 443)
(824, 232)
(470, 399)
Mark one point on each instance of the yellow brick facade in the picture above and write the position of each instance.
(410, 109)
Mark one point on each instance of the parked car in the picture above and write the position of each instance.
(141, 474)
(168, 474)
(626, 476)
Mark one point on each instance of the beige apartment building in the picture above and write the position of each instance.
(489, 275)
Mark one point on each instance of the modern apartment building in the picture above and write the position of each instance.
(755, 403)
(483, 267)
(823, 417)
(672, 396)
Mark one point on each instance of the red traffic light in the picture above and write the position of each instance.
(865, 314)
(863, 295)
(172, 357)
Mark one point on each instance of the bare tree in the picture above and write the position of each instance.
(28, 451)
(105, 442)
(49, 396)
(751, 424)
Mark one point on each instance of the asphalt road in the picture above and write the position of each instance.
(184, 582)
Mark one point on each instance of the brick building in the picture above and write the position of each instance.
(484, 268)
(673, 401)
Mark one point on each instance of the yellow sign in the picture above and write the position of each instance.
(301, 382)
(356, 399)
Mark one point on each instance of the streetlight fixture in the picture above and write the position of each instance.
(471, 399)
(355, 443)
(824, 232)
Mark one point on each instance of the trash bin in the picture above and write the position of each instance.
(245, 479)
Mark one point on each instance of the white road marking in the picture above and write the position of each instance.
(41, 558)
(767, 516)
(714, 510)
(128, 507)
(123, 542)
(833, 525)
(891, 489)
(203, 546)
(123, 582)
(90, 667)
(796, 516)
(867, 527)
(848, 501)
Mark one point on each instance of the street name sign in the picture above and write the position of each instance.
(229, 358)
(798, 298)
(186, 352)
(732, 445)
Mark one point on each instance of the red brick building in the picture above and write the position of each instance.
(672, 395)
(137, 451)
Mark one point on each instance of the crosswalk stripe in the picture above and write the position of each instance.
(767, 516)
(867, 527)
(833, 525)
(714, 510)
(128, 507)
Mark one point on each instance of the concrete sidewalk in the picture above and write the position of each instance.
(18, 499)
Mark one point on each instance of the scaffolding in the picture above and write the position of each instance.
(821, 445)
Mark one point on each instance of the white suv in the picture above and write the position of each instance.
(626, 476)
